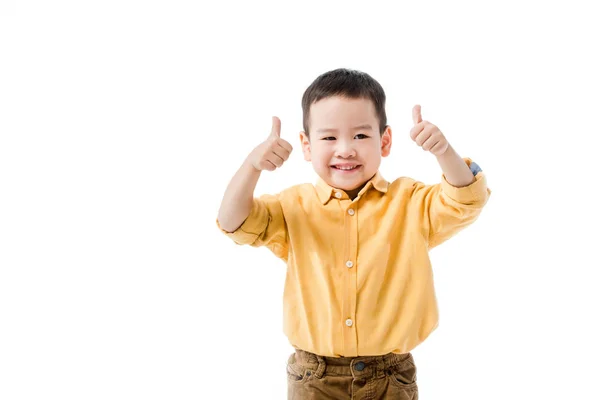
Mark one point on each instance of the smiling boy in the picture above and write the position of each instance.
(359, 292)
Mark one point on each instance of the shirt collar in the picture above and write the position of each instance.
(325, 192)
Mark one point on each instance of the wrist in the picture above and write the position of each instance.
(249, 166)
(448, 153)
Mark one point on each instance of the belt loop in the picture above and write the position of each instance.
(321, 368)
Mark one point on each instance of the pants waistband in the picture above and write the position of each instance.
(354, 366)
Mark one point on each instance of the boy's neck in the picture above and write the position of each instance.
(353, 193)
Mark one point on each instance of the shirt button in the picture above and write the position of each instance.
(338, 195)
(349, 322)
(349, 264)
(351, 211)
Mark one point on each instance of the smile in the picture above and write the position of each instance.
(345, 167)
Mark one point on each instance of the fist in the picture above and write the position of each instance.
(427, 135)
(273, 152)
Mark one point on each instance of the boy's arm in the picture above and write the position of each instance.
(457, 201)
(237, 200)
(250, 220)
(456, 171)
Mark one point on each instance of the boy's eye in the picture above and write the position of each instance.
(360, 136)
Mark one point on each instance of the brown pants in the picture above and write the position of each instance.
(391, 376)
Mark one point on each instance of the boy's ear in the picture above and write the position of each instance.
(305, 143)
(386, 141)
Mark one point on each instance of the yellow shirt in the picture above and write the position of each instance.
(359, 280)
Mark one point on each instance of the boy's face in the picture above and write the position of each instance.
(344, 133)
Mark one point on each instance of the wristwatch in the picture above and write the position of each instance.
(475, 168)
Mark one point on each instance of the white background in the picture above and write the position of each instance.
(122, 122)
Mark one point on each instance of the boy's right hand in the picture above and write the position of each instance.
(271, 153)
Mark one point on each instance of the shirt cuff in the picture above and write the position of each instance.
(474, 193)
(252, 227)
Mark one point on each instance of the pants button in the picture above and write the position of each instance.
(359, 366)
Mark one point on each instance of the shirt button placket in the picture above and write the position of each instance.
(349, 303)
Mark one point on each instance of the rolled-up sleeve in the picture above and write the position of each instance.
(448, 209)
(264, 226)
(474, 193)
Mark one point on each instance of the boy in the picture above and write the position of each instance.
(359, 292)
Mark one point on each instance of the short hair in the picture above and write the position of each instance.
(346, 83)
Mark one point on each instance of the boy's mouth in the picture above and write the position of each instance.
(346, 167)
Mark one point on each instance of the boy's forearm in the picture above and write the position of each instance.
(237, 200)
(455, 169)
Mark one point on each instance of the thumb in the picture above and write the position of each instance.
(276, 129)
(416, 114)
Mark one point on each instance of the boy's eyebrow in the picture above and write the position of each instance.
(364, 126)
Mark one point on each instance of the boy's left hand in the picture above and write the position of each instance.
(427, 135)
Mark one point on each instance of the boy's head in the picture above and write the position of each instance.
(345, 126)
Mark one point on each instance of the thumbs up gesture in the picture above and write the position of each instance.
(427, 135)
(273, 152)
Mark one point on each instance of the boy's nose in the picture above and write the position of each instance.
(345, 150)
